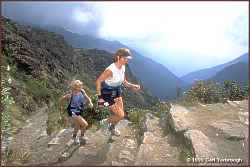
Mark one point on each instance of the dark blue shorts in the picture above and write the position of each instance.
(72, 111)
(109, 93)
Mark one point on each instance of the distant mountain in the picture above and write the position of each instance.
(154, 76)
(237, 72)
(210, 72)
(85, 41)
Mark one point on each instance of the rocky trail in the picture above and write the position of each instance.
(211, 131)
(214, 130)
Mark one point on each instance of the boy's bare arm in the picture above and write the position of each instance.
(88, 98)
(62, 99)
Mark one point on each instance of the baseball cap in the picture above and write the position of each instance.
(124, 52)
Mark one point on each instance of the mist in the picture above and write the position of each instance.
(61, 14)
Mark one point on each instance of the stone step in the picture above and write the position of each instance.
(92, 153)
(56, 139)
(122, 150)
(155, 149)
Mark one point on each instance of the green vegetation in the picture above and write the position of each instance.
(18, 157)
(6, 100)
(137, 114)
(37, 88)
(93, 116)
(210, 92)
(234, 91)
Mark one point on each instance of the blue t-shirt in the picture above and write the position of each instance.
(77, 102)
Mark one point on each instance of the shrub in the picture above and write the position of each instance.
(211, 92)
(94, 115)
(204, 92)
(136, 115)
(234, 91)
(37, 88)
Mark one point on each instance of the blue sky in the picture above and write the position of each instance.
(183, 36)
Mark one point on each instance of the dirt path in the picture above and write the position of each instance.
(34, 129)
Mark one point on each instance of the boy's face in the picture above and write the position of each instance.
(77, 88)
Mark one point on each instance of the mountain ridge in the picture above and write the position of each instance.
(210, 72)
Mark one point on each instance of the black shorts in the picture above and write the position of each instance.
(72, 112)
(109, 93)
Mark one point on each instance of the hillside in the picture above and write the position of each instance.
(210, 72)
(46, 57)
(236, 72)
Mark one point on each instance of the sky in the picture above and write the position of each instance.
(183, 36)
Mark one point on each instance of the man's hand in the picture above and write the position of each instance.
(136, 88)
(101, 101)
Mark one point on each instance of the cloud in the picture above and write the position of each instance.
(74, 16)
(196, 31)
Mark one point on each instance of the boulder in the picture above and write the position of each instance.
(176, 119)
(200, 144)
(150, 123)
(231, 130)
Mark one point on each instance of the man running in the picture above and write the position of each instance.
(109, 88)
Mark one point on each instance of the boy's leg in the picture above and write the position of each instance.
(83, 126)
(82, 123)
(76, 127)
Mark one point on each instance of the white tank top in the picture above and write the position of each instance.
(118, 75)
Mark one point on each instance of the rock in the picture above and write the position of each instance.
(176, 119)
(233, 103)
(126, 155)
(129, 143)
(150, 123)
(200, 144)
(160, 153)
(244, 117)
(56, 139)
(144, 152)
(155, 149)
(149, 138)
(231, 130)
(115, 163)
